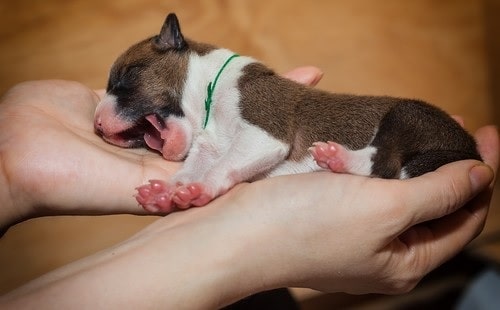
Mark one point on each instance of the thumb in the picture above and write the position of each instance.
(445, 190)
(307, 75)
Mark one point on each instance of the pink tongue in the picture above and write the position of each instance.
(154, 139)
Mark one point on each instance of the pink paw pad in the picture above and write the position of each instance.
(329, 155)
(191, 194)
(155, 196)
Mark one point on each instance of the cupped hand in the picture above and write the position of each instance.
(334, 232)
(52, 162)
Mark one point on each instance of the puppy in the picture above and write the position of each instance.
(232, 119)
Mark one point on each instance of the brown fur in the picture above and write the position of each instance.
(410, 133)
(144, 68)
(301, 115)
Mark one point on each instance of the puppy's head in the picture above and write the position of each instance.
(144, 90)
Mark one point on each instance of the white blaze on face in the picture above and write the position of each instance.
(107, 122)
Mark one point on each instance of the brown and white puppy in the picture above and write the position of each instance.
(258, 124)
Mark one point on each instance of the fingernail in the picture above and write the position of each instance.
(305, 75)
(317, 78)
(480, 177)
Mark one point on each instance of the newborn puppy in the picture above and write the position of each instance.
(232, 119)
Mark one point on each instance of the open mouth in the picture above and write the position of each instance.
(155, 135)
(147, 132)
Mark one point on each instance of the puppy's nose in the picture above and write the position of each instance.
(98, 126)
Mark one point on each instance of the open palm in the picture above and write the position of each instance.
(53, 162)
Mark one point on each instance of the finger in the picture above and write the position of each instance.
(445, 190)
(434, 242)
(488, 145)
(431, 244)
(100, 93)
(459, 120)
(305, 75)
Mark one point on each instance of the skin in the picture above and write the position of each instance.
(319, 230)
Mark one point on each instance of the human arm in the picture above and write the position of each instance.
(325, 231)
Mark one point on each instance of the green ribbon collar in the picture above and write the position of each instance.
(211, 88)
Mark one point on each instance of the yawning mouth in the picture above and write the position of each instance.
(149, 131)
(156, 135)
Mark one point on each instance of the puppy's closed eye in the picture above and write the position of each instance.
(130, 76)
(126, 78)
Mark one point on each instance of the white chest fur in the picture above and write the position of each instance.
(228, 150)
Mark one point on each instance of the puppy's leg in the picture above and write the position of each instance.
(159, 195)
(431, 160)
(251, 152)
(213, 167)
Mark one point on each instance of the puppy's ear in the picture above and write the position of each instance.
(170, 36)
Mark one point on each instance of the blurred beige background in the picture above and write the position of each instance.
(446, 52)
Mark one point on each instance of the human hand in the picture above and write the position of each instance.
(334, 232)
(52, 162)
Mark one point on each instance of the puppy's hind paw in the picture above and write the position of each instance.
(329, 155)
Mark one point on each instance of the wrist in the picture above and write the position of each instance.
(12, 210)
(227, 253)
(241, 255)
(200, 258)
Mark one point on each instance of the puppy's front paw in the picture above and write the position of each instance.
(156, 196)
(194, 194)
(159, 196)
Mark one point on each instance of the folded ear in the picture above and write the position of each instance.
(170, 36)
